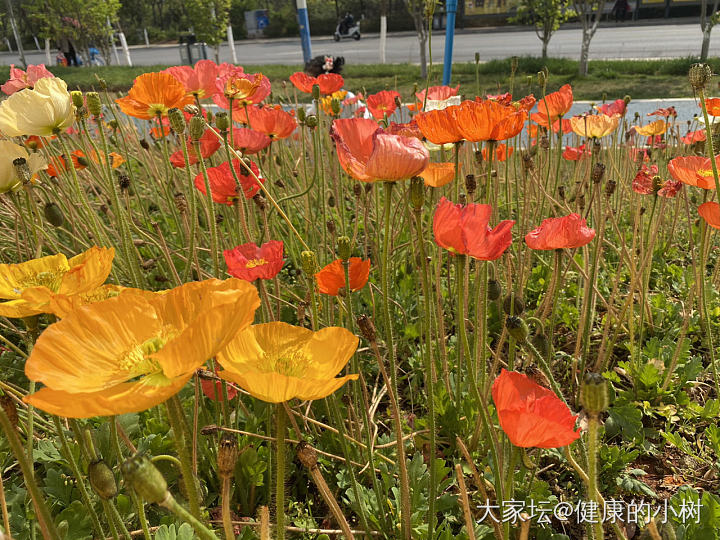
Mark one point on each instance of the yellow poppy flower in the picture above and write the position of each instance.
(61, 305)
(276, 362)
(10, 151)
(594, 125)
(29, 286)
(657, 127)
(45, 110)
(132, 352)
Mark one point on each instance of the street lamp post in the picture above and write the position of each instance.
(304, 23)
(451, 9)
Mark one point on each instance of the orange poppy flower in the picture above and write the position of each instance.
(616, 107)
(243, 88)
(250, 262)
(669, 111)
(594, 125)
(332, 278)
(560, 233)
(56, 166)
(209, 144)
(693, 170)
(530, 415)
(713, 106)
(502, 152)
(710, 212)
(572, 153)
(272, 121)
(369, 154)
(440, 126)
(694, 136)
(327, 82)
(28, 287)
(33, 142)
(249, 141)
(152, 95)
(438, 174)
(223, 187)
(489, 120)
(132, 352)
(526, 103)
(61, 305)
(658, 127)
(80, 160)
(382, 104)
(409, 129)
(464, 230)
(554, 106)
(198, 80)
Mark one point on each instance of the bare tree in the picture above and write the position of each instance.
(545, 15)
(418, 11)
(589, 12)
(706, 25)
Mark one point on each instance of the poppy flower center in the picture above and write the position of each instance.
(704, 173)
(51, 280)
(252, 263)
(138, 359)
(291, 363)
(157, 109)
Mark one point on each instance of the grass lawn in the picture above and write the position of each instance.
(607, 78)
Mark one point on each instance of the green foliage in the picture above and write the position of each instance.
(545, 15)
(209, 19)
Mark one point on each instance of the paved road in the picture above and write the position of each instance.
(611, 41)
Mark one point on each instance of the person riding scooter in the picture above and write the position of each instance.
(347, 28)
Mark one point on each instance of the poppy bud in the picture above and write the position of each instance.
(102, 84)
(494, 290)
(344, 248)
(462, 199)
(367, 328)
(581, 201)
(594, 393)
(301, 114)
(197, 128)
(527, 161)
(8, 405)
(331, 226)
(22, 170)
(331, 201)
(307, 455)
(417, 192)
(627, 99)
(53, 214)
(113, 124)
(77, 98)
(309, 263)
(518, 329)
(699, 75)
(610, 186)
(541, 342)
(470, 184)
(311, 121)
(513, 305)
(181, 203)
(260, 202)
(316, 91)
(227, 455)
(140, 473)
(477, 57)
(542, 78)
(63, 528)
(335, 106)
(176, 120)
(144, 144)
(209, 117)
(598, 171)
(102, 480)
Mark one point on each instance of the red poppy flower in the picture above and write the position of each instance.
(558, 233)
(710, 212)
(464, 230)
(242, 88)
(382, 104)
(489, 120)
(502, 152)
(616, 107)
(328, 82)
(369, 154)
(670, 111)
(438, 93)
(527, 103)
(530, 415)
(213, 389)
(554, 106)
(198, 80)
(34, 142)
(562, 123)
(438, 174)
(272, 121)
(409, 129)
(643, 181)
(504, 99)
(249, 141)
(250, 262)
(694, 136)
(223, 187)
(56, 166)
(693, 170)
(209, 144)
(575, 153)
(332, 278)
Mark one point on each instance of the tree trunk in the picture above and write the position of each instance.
(584, 53)
(422, 40)
(545, 43)
(705, 43)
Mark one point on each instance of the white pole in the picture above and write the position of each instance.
(383, 37)
(7, 42)
(37, 43)
(48, 58)
(145, 35)
(126, 50)
(231, 44)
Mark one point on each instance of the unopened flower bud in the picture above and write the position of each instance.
(518, 329)
(227, 455)
(144, 144)
(63, 528)
(357, 190)
(513, 305)
(197, 128)
(148, 482)
(93, 103)
(699, 75)
(478, 157)
(102, 480)
(306, 455)
(53, 214)
(222, 121)
(477, 57)
(309, 263)
(77, 98)
(177, 120)
(627, 99)
(181, 202)
(301, 114)
(22, 170)
(331, 201)
(417, 192)
(316, 91)
(335, 106)
(260, 202)
(542, 78)
(470, 184)
(542, 344)
(367, 328)
(344, 247)
(311, 121)
(594, 393)
(8, 405)
(598, 171)
(610, 186)
(527, 161)
(561, 193)
(330, 225)
(494, 290)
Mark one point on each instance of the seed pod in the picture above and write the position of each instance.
(331, 201)
(699, 75)
(148, 482)
(594, 393)
(222, 121)
(123, 181)
(344, 248)
(144, 144)
(311, 121)
(357, 190)
(331, 226)
(102, 479)
(518, 329)
(417, 192)
(513, 305)
(53, 214)
(227, 455)
(367, 328)
(306, 455)
(494, 290)
(77, 98)
(598, 171)
(470, 184)
(610, 186)
(197, 128)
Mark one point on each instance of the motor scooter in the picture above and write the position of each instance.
(347, 28)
